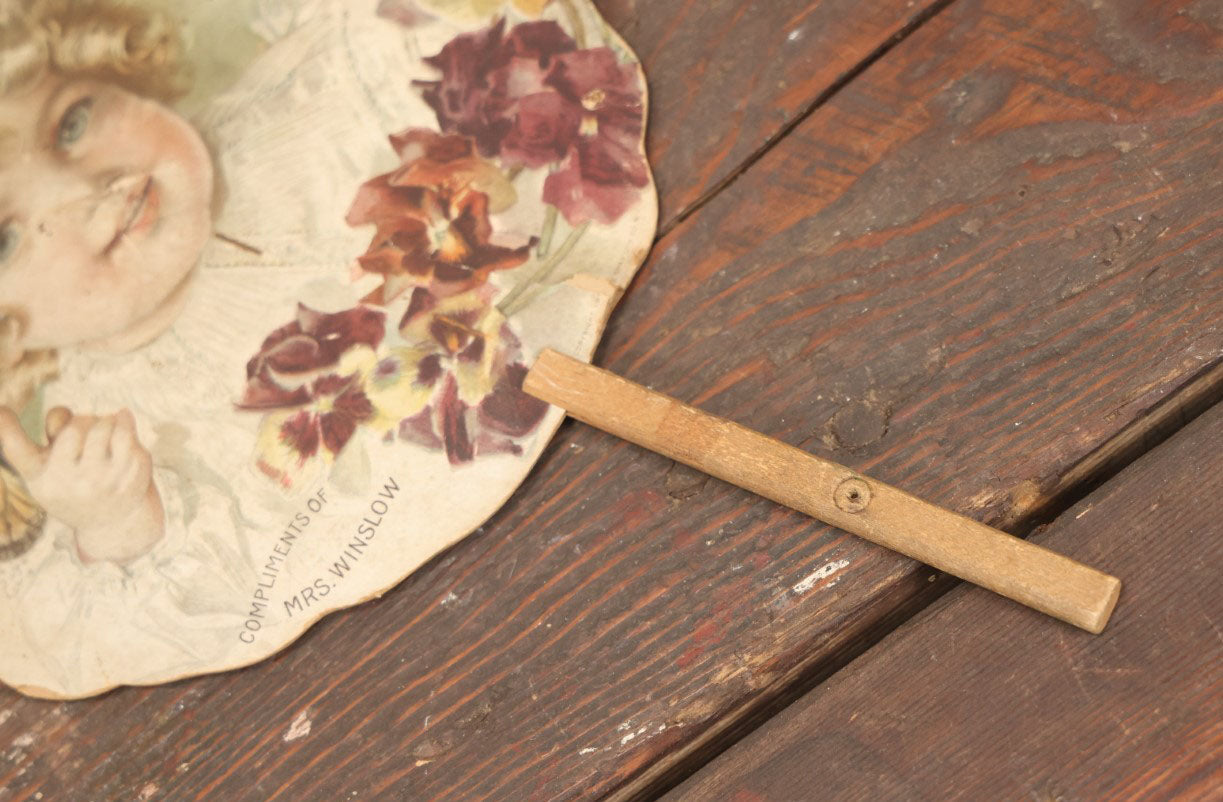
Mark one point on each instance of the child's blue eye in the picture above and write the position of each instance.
(74, 122)
(10, 238)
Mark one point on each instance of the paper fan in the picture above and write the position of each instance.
(331, 269)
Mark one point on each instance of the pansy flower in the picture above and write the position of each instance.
(472, 371)
(532, 99)
(431, 218)
(294, 355)
(604, 171)
(486, 72)
(316, 431)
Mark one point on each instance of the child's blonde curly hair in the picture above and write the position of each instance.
(106, 40)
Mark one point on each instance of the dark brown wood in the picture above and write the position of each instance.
(985, 258)
(980, 700)
(727, 77)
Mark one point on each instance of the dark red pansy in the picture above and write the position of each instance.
(295, 353)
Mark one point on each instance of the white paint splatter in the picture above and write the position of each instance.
(630, 736)
(808, 582)
(147, 792)
(795, 35)
(22, 741)
(300, 727)
(450, 598)
(587, 750)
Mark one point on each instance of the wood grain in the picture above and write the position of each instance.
(975, 701)
(827, 491)
(728, 78)
(982, 260)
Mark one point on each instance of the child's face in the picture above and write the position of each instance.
(105, 204)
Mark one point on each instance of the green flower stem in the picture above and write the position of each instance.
(514, 301)
(545, 235)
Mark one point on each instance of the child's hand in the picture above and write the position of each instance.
(95, 477)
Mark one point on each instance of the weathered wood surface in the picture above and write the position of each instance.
(727, 77)
(980, 700)
(985, 257)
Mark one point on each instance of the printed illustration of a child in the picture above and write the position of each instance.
(106, 201)
(144, 256)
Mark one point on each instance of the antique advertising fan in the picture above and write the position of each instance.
(273, 278)
(271, 274)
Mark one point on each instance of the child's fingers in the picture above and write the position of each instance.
(66, 450)
(135, 476)
(26, 456)
(96, 445)
(57, 419)
(123, 440)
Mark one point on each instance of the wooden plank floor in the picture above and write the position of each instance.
(972, 268)
(979, 699)
(728, 78)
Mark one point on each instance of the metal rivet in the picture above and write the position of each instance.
(852, 495)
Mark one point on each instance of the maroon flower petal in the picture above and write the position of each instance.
(421, 302)
(597, 80)
(354, 405)
(301, 433)
(539, 40)
(331, 385)
(545, 127)
(489, 443)
(294, 354)
(379, 201)
(313, 342)
(609, 161)
(581, 200)
(264, 393)
(429, 370)
(424, 143)
(452, 418)
(338, 332)
(464, 99)
(339, 425)
(484, 74)
(474, 351)
(419, 429)
(447, 273)
(337, 431)
(509, 410)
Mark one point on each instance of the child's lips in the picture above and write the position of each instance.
(140, 212)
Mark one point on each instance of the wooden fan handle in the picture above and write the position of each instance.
(833, 493)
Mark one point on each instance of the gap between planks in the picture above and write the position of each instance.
(1191, 399)
(825, 95)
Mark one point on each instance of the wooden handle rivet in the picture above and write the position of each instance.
(852, 495)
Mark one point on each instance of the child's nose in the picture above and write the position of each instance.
(82, 207)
